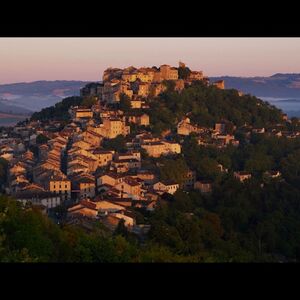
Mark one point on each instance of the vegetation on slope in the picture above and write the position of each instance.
(208, 105)
(59, 111)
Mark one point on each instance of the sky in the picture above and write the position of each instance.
(31, 59)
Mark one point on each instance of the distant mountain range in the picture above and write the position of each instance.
(276, 86)
(25, 98)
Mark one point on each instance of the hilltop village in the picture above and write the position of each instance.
(53, 163)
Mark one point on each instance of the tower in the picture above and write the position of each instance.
(181, 64)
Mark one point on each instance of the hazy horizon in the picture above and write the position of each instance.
(97, 80)
(85, 59)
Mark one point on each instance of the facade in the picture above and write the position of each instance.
(194, 75)
(91, 137)
(93, 209)
(167, 187)
(242, 176)
(146, 176)
(78, 113)
(205, 186)
(143, 89)
(172, 147)
(226, 139)
(134, 154)
(111, 179)
(219, 84)
(168, 73)
(87, 189)
(156, 149)
(128, 221)
(61, 187)
(113, 127)
(190, 179)
(104, 157)
(84, 185)
(272, 174)
(220, 128)
(136, 103)
(185, 127)
(37, 195)
(139, 119)
(48, 200)
(125, 165)
(130, 187)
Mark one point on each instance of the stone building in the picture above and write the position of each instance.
(219, 84)
(78, 113)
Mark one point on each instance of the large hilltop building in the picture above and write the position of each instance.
(139, 83)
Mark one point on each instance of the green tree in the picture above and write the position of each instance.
(125, 104)
(89, 101)
(3, 171)
(59, 111)
(42, 139)
(174, 170)
(121, 229)
(259, 162)
(116, 144)
(183, 72)
(169, 84)
(208, 168)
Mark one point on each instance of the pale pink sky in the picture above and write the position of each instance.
(30, 59)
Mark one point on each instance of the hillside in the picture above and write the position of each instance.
(11, 119)
(59, 111)
(7, 107)
(207, 105)
(34, 96)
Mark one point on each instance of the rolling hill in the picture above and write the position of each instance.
(33, 96)
(276, 86)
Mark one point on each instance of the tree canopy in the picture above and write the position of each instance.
(208, 105)
(59, 111)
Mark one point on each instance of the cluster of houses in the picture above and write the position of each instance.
(71, 166)
(278, 130)
(218, 136)
(138, 84)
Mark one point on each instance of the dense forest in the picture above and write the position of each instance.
(255, 221)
